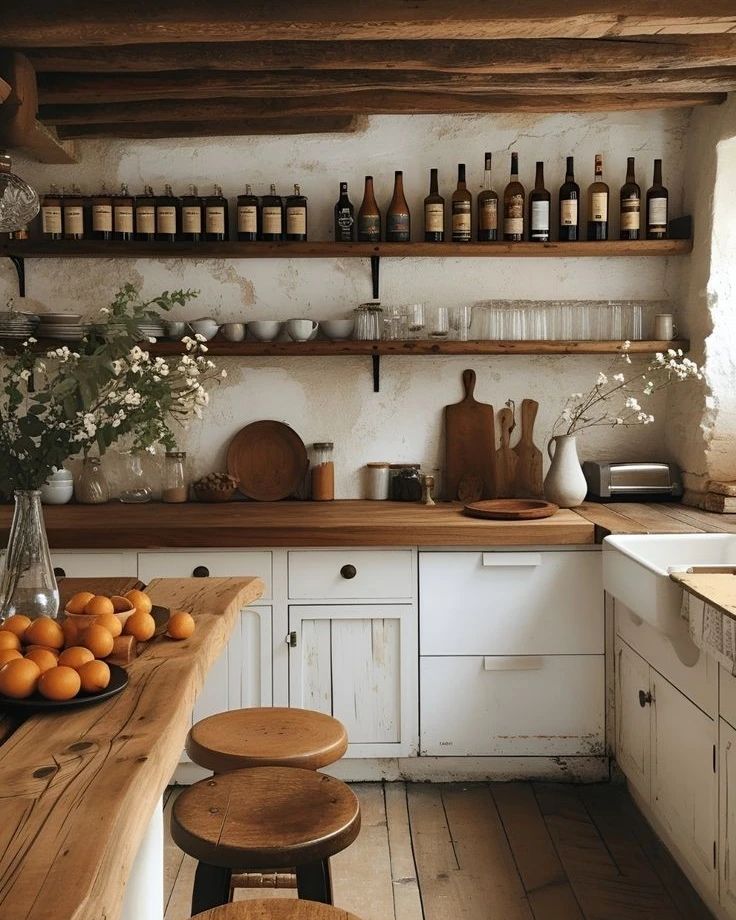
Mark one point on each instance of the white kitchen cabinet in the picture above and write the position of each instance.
(203, 563)
(727, 771)
(357, 662)
(633, 718)
(91, 564)
(350, 574)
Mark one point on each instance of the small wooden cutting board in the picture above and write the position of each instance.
(528, 482)
(470, 443)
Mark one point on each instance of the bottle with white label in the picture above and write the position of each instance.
(598, 195)
(272, 216)
(248, 216)
(145, 216)
(630, 205)
(657, 206)
(462, 209)
(434, 212)
(296, 215)
(191, 216)
(514, 197)
(51, 226)
(539, 208)
(168, 209)
(216, 221)
(73, 215)
(569, 206)
(122, 214)
(487, 207)
(101, 207)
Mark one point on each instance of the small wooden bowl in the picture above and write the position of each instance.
(214, 495)
(85, 619)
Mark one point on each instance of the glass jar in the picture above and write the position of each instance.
(377, 481)
(368, 322)
(175, 486)
(323, 472)
(137, 488)
(406, 483)
(92, 487)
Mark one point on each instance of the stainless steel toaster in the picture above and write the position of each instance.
(631, 481)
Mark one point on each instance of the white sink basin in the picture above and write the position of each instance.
(636, 570)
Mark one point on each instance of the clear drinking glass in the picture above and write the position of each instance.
(439, 327)
(461, 320)
(416, 320)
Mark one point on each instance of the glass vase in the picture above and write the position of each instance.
(27, 582)
(137, 487)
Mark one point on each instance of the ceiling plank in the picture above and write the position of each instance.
(335, 124)
(471, 56)
(63, 23)
(72, 89)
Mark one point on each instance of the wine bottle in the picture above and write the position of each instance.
(462, 209)
(539, 208)
(101, 206)
(344, 217)
(248, 215)
(51, 226)
(598, 203)
(487, 207)
(296, 215)
(191, 216)
(514, 197)
(167, 216)
(272, 216)
(434, 212)
(145, 215)
(569, 205)
(630, 205)
(369, 216)
(657, 206)
(398, 218)
(216, 217)
(122, 214)
(73, 212)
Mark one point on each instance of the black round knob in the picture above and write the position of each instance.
(201, 571)
(645, 698)
(348, 571)
(59, 572)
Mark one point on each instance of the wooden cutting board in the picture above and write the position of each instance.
(470, 443)
(512, 509)
(269, 459)
(505, 457)
(528, 482)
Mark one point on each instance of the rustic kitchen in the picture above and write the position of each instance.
(367, 465)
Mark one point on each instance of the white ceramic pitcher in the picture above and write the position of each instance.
(564, 483)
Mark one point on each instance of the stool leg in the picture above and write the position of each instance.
(211, 887)
(313, 882)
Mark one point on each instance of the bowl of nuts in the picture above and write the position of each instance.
(215, 487)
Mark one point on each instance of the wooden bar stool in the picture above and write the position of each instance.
(266, 737)
(264, 817)
(275, 910)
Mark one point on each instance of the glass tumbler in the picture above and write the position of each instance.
(461, 320)
(416, 320)
(439, 327)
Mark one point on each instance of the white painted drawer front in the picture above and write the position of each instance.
(96, 565)
(516, 705)
(510, 603)
(219, 565)
(379, 574)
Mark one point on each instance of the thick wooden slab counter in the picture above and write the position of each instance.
(718, 589)
(77, 789)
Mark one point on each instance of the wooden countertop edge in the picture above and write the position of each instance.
(710, 588)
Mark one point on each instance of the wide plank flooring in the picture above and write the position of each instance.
(490, 851)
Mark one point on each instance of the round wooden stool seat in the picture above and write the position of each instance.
(277, 909)
(265, 737)
(265, 818)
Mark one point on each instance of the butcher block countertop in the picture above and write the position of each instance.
(78, 788)
(717, 589)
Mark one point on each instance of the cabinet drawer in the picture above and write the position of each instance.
(219, 565)
(520, 603)
(350, 574)
(525, 705)
(95, 565)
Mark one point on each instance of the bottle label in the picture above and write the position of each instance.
(247, 218)
(513, 221)
(397, 222)
(145, 219)
(345, 219)
(369, 228)
(166, 219)
(73, 219)
(272, 220)
(488, 216)
(102, 218)
(434, 217)
(51, 219)
(191, 219)
(630, 213)
(657, 215)
(540, 217)
(296, 220)
(461, 221)
(215, 219)
(569, 212)
(599, 207)
(123, 215)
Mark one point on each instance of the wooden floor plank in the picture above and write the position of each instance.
(549, 891)
(407, 898)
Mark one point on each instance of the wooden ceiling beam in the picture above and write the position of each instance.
(329, 124)
(63, 23)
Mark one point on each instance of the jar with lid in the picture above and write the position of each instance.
(175, 486)
(406, 483)
(91, 487)
(368, 322)
(377, 481)
(323, 472)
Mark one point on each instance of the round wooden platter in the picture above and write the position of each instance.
(511, 509)
(269, 459)
(38, 704)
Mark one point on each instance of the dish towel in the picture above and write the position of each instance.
(711, 630)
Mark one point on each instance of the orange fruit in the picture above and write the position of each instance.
(98, 640)
(140, 625)
(71, 633)
(8, 640)
(43, 657)
(75, 657)
(7, 654)
(44, 631)
(111, 623)
(17, 624)
(78, 602)
(59, 684)
(43, 648)
(99, 605)
(95, 676)
(180, 625)
(140, 600)
(120, 603)
(19, 678)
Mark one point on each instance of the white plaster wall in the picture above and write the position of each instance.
(324, 398)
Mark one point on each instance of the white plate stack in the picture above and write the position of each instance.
(17, 326)
(66, 327)
(152, 330)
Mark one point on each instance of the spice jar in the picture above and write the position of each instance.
(377, 481)
(323, 472)
(406, 484)
(175, 488)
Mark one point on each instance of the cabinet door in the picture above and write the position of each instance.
(358, 663)
(633, 721)
(684, 788)
(728, 816)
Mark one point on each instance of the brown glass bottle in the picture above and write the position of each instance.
(145, 215)
(191, 216)
(514, 196)
(598, 195)
(434, 211)
(122, 214)
(74, 215)
(630, 199)
(462, 209)
(272, 216)
(657, 206)
(216, 217)
(296, 215)
(51, 226)
(398, 217)
(101, 208)
(168, 219)
(369, 215)
(569, 230)
(248, 215)
(344, 217)
(539, 208)
(487, 207)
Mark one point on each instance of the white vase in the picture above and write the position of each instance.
(564, 483)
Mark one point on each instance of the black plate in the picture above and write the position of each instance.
(37, 703)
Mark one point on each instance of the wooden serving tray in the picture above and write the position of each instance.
(511, 509)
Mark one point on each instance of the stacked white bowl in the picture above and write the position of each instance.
(58, 488)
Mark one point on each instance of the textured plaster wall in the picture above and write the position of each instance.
(333, 399)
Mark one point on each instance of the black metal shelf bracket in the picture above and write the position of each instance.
(20, 268)
(375, 269)
(376, 359)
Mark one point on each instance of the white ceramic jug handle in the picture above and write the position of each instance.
(549, 448)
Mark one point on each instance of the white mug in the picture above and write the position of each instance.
(300, 330)
(664, 327)
(234, 332)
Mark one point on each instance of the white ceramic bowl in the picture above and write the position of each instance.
(265, 330)
(337, 328)
(58, 493)
(302, 330)
(234, 332)
(206, 327)
(59, 476)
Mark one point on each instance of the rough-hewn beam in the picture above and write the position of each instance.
(336, 124)
(88, 22)
(71, 89)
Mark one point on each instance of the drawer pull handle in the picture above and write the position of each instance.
(348, 571)
(513, 663)
(59, 572)
(201, 571)
(645, 698)
(291, 639)
(511, 560)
